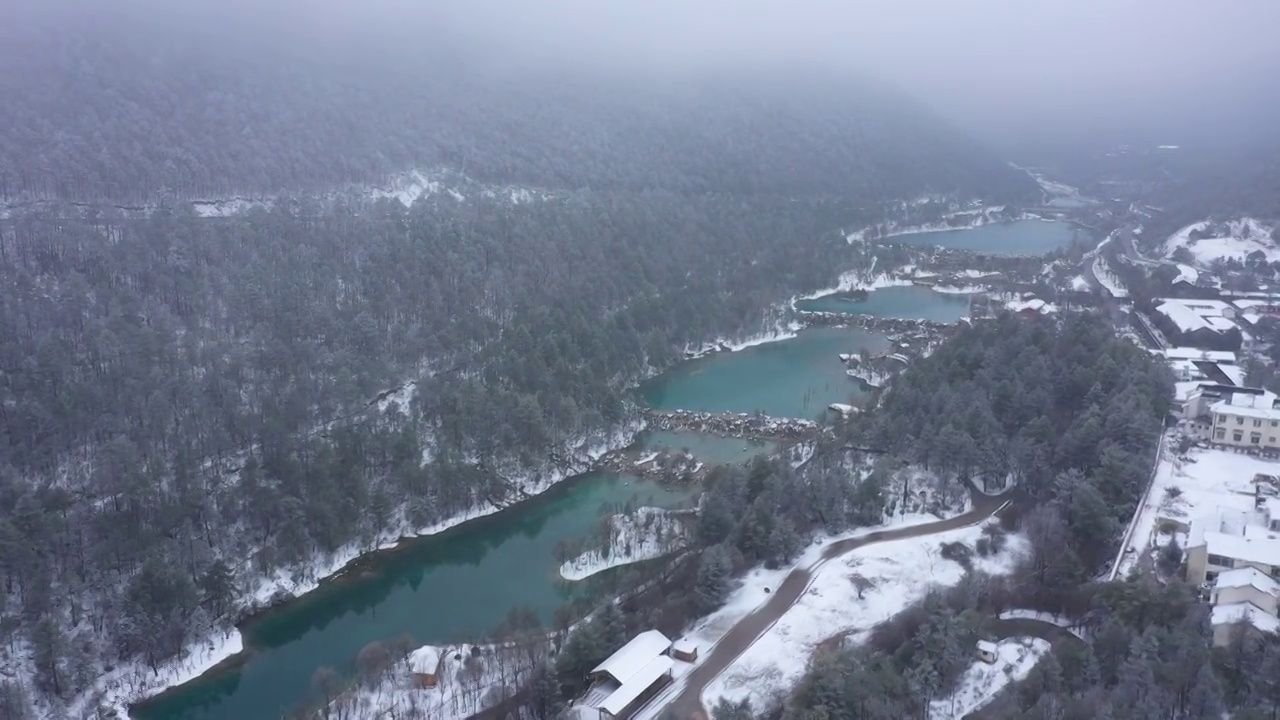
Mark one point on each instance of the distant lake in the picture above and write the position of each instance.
(1020, 237)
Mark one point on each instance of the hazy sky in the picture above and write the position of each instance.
(1007, 68)
(1003, 65)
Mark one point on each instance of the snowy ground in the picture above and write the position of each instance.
(1109, 280)
(978, 686)
(1232, 240)
(1079, 284)
(967, 219)
(647, 533)
(471, 679)
(1186, 489)
(865, 279)
(778, 333)
(851, 594)
(959, 289)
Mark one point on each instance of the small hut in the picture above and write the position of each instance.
(684, 650)
(987, 652)
(424, 665)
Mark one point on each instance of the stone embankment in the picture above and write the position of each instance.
(870, 322)
(740, 425)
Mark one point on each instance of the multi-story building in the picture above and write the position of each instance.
(1235, 556)
(1246, 418)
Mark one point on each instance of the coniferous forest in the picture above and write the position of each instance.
(187, 402)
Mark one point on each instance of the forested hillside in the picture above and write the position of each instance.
(185, 401)
(118, 102)
(1074, 414)
(1071, 414)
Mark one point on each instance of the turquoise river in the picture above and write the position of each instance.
(462, 583)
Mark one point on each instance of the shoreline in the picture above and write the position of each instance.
(124, 690)
(218, 656)
(221, 655)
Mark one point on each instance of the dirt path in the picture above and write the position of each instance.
(1005, 702)
(688, 704)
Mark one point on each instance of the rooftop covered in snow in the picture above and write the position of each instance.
(1245, 612)
(1249, 402)
(1190, 353)
(632, 657)
(425, 660)
(1248, 577)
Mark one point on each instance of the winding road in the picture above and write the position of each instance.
(683, 700)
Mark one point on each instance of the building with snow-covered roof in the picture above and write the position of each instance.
(1235, 554)
(627, 679)
(1195, 321)
(1222, 357)
(424, 666)
(1232, 539)
(1249, 585)
(1247, 418)
(1229, 619)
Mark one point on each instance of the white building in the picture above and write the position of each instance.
(1236, 554)
(1221, 357)
(1248, 418)
(1194, 315)
(627, 679)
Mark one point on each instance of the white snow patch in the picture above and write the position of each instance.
(400, 398)
(958, 289)
(1079, 284)
(229, 207)
(134, 680)
(964, 220)
(1109, 280)
(850, 595)
(982, 681)
(1235, 239)
(648, 533)
(778, 333)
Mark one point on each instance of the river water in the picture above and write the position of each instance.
(797, 378)
(455, 586)
(459, 585)
(1021, 237)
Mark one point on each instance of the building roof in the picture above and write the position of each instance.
(1248, 404)
(1189, 353)
(635, 655)
(1245, 612)
(687, 647)
(1261, 550)
(987, 646)
(425, 660)
(1192, 315)
(639, 681)
(1248, 577)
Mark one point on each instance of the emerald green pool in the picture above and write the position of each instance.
(708, 448)
(1020, 237)
(795, 378)
(455, 586)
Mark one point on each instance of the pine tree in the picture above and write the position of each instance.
(50, 646)
(712, 585)
(217, 588)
